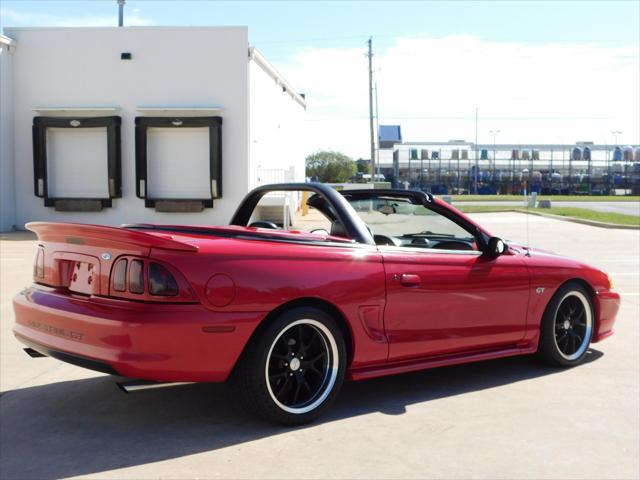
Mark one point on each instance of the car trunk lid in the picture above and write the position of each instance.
(79, 257)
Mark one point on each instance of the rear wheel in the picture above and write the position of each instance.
(567, 326)
(293, 371)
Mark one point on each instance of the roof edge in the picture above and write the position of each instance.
(7, 41)
(256, 56)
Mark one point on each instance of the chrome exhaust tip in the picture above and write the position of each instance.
(139, 385)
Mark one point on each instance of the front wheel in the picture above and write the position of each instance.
(567, 326)
(293, 371)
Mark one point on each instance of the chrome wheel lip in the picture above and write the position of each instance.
(331, 373)
(588, 322)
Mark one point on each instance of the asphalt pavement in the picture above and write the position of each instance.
(508, 418)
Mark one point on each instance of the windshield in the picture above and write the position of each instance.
(398, 217)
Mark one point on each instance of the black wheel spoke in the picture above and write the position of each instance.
(277, 375)
(574, 304)
(320, 355)
(282, 387)
(296, 393)
(315, 371)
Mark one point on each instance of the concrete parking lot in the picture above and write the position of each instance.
(510, 418)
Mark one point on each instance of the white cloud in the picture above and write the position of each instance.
(533, 93)
(28, 19)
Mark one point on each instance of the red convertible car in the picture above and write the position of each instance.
(305, 288)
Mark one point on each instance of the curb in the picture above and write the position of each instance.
(582, 221)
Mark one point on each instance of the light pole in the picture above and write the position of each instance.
(495, 134)
(563, 164)
(615, 134)
(475, 176)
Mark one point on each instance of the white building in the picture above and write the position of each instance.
(140, 124)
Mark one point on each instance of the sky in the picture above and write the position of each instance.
(539, 72)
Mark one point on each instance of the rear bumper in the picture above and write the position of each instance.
(607, 304)
(83, 362)
(160, 342)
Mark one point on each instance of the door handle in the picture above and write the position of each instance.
(410, 280)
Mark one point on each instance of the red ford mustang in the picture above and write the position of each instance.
(306, 287)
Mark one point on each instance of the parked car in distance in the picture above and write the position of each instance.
(306, 287)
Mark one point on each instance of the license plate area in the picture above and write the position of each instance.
(83, 278)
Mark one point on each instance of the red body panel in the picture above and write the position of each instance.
(402, 310)
(462, 302)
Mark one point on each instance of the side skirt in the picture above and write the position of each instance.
(434, 362)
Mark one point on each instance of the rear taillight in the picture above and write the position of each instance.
(140, 279)
(38, 265)
(161, 282)
(120, 275)
(136, 277)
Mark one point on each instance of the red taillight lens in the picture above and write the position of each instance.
(136, 277)
(120, 275)
(38, 266)
(146, 280)
(161, 282)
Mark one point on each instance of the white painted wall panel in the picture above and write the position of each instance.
(7, 176)
(77, 163)
(178, 163)
(276, 131)
(170, 67)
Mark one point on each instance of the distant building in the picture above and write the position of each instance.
(140, 124)
(459, 166)
(388, 136)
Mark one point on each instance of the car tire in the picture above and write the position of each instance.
(292, 371)
(567, 326)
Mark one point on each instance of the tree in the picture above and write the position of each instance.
(364, 166)
(330, 166)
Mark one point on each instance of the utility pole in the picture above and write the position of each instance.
(373, 147)
(493, 170)
(121, 13)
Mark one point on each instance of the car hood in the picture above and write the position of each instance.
(546, 259)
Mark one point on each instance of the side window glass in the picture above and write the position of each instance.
(398, 222)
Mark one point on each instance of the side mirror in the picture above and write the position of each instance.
(496, 247)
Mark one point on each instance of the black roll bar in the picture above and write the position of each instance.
(353, 224)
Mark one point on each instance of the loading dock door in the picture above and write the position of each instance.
(77, 163)
(178, 163)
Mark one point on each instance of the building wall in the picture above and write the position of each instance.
(276, 130)
(7, 190)
(170, 67)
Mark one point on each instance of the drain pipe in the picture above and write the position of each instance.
(121, 12)
(139, 385)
